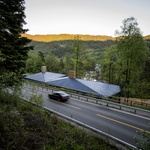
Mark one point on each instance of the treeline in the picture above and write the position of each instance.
(59, 56)
(124, 62)
(62, 37)
(60, 48)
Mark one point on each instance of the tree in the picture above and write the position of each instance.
(131, 53)
(13, 47)
(80, 55)
(143, 86)
(68, 63)
(146, 72)
(52, 63)
(42, 55)
(109, 64)
(29, 64)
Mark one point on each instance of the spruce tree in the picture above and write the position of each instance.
(13, 47)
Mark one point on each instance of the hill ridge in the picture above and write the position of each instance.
(60, 37)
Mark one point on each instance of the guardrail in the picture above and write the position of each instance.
(109, 138)
(98, 101)
(118, 143)
(131, 109)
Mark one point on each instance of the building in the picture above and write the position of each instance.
(71, 82)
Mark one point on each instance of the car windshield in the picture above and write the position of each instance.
(62, 93)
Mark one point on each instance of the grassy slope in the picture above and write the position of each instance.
(25, 127)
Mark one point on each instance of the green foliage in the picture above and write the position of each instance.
(132, 52)
(142, 89)
(60, 48)
(52, 63)
(143, 143)
(109, 70)
(62, 52)
(126, 63)
(68, 63)
(145, 76)
(34, 63)
(23, 126)
(36, 98)
(13, 48)
(79, 56)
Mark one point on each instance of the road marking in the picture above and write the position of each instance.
(123, 123)
(58, 102)
(67, 105)
(71, 106)
(114, 109)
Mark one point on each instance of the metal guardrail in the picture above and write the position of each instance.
(131, 109)
(119, 143)
(123, 107)
(109, 138)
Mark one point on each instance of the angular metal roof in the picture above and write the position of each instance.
(96, 88)
(61, 80)
(44, 76)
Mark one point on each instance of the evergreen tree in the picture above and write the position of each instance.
(13, 47)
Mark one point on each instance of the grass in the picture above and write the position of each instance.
(24, 126)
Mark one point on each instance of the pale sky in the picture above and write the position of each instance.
(91, 17)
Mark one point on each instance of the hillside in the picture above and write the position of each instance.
(60, 48)
(60, 44)
(60, 37)
(147, 37)
(24, 126)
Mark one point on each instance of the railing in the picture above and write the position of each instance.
(109, 138)
(118, 143)
(98, 101)
(113, 104)
(113, 140)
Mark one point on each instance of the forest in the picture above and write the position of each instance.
(59, 56)
(124, 60)
(92, 59)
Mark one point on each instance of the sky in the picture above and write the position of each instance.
(90, 17)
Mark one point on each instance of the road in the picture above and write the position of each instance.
(120, 124)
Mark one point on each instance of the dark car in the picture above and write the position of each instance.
(59, 95)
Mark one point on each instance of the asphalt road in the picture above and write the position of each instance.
(117, 123)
